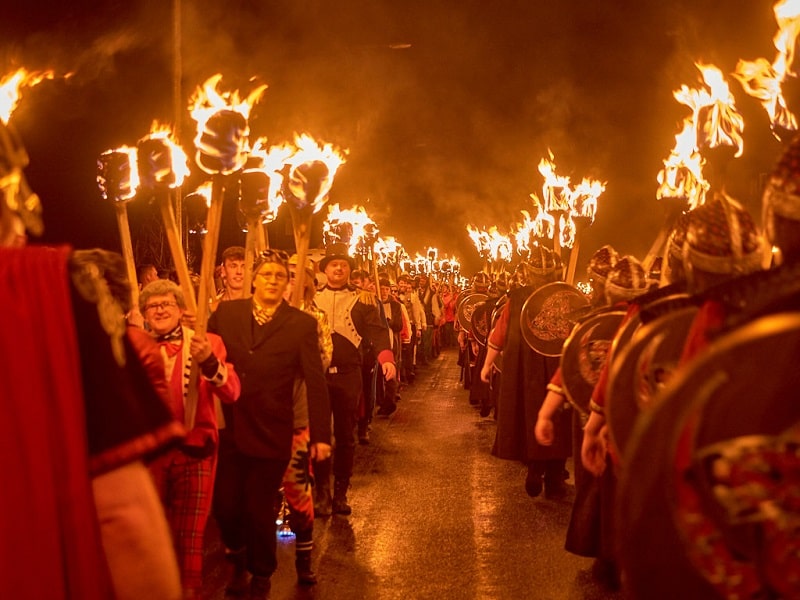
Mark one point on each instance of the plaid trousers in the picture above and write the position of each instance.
(297, 482)
(185, 486)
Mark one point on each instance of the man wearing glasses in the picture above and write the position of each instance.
(272, 344)
(184, 476)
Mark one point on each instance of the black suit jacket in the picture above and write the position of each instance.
(268, 359)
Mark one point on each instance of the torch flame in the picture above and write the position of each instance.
(179, 162)
(272, 160)
(388, 250)
(222, 128)
(682, 175)
(358, 221)
(763, 80)
(717, 122)
(11, 84)
(583, 198)
(207, 100)
(308, 151)
(554, 185)
(491, 244)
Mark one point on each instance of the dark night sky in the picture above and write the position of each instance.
(445, 133)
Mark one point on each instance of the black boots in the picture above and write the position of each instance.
(238, 583)
(303, 545)
(259, 588)
(322, 489)
(305, 574)
(340, 505)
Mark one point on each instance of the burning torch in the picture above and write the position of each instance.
(118, 180)
(260, 198)
(162, 166)
(311, 170)
(222, 149)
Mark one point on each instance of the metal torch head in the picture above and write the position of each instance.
(254, 193)
(307, 183)
(223, 144)
(114, 176)
(154, 162)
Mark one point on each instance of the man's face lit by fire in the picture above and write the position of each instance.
(337, 272)
(233, 273)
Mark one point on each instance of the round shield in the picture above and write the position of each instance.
(585, 354)
(549, 314)
(642, 368)
(481, 322)
(709, 476)
(466, 307)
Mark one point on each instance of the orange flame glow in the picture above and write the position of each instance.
(206, 101)
(179, 160)
(357, 218)
(388, 251)
(11, 85)
(583, 198)
(491, 244)
(764, 81)
(717, 122)
(554, 186)
(308, 151)
(682, 175)
(272, 159)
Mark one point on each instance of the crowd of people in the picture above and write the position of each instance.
(151, 424)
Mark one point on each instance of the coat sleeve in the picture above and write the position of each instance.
(370, 326)
(319, 406)
(225, 383)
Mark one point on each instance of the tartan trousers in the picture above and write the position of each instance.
(185, 485)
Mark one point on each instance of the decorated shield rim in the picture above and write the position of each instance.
(547, 290)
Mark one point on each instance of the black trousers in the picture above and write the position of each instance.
(244, 505)
(344, 390)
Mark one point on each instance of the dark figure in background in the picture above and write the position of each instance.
(523, 385)
(386, 394)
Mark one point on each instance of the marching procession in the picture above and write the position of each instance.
(191, 402)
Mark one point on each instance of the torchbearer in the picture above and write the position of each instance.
(118, 179)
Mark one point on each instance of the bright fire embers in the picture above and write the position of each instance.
(716, 120)
(262, 183)
(764, 81)
(682, 175)
(222, 127)
(491, 245)
(352, 227)
(389, 251)
(118, 174)
(312, 168)
(11, 85)
(162, 163)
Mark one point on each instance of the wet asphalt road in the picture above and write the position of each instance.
(434, 515)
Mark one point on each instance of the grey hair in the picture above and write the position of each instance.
(162, 287)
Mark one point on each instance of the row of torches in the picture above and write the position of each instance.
(710, 138)
(302, 173)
